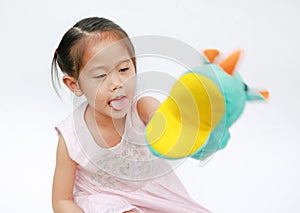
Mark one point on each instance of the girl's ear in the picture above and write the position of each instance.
(73, 85)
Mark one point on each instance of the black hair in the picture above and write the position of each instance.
(68, 55)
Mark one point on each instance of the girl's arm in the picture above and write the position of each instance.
(146, 106)
(64, 176)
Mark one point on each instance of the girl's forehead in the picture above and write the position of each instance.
(106, 53)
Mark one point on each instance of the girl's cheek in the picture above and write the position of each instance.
(131, 82)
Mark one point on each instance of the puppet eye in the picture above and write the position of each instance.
(246, 88)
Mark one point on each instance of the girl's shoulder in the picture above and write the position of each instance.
(70, 128)
(73, 118)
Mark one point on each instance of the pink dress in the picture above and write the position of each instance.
(125, 177)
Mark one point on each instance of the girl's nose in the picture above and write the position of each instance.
(115, 81)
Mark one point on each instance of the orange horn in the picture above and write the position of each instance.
(211, 54)
(229, 63)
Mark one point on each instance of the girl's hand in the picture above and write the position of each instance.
(146, 106)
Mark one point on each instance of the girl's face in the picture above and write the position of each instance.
(108, 79)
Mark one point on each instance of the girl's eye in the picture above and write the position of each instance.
(100, 76)
(124, 69)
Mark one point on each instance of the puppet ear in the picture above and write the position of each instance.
(211, 54)
(228, 65)
(265, 94)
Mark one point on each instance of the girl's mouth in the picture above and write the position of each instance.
(119, 103)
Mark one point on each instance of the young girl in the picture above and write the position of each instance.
(103, 164)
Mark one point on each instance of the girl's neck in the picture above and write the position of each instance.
(106, 131)
(103, 121)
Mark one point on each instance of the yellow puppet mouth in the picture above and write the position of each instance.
(184, 121)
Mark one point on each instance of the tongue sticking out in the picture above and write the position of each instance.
(119, 104)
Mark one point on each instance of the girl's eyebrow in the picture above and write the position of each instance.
(101, 67)
(122, 61)
(104, 67)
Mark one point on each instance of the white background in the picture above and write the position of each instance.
(259, 169)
